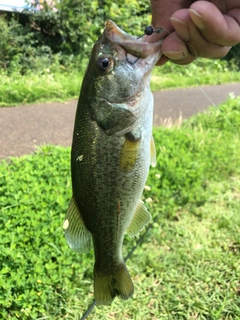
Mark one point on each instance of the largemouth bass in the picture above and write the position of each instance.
(111, 153)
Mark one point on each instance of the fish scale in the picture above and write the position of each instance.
(111, 156)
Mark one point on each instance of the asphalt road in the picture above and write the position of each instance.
(27, 126)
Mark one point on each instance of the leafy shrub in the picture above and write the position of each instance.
(33, 38)
(201, 65)
(233, 56)
(30, 40)
(19, 49)
(8, 41)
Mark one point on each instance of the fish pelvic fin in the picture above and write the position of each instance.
(140, 219)
(78, 237)
(107, 287)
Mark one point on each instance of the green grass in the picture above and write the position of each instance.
(188, 265)
(33, 88)
(202, 71)
(56, 85)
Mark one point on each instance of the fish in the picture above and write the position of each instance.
(112, 149)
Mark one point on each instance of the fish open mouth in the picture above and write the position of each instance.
(138, 47)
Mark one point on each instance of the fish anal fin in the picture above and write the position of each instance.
(107, 287)
(77, 236)
(140, 219)
(153, 157)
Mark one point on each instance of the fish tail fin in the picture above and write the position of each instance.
(107, 287)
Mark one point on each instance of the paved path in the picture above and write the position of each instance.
(25, 127)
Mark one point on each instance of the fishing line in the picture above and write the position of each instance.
(131, 62)
(149, 31)
(142, 237)
(89, 310)
(137, 244)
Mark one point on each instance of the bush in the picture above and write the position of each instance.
(33, 40)
(233, 56)
(9, 41)
(29, 40)
(20, 50)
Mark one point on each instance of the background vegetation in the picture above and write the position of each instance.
(188, 266)
(45, 52)
(34, 40)
(59, 84)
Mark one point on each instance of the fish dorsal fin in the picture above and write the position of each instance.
(140, 219)
(153, 157)
(77, 236)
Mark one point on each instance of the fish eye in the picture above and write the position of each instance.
(105, 63)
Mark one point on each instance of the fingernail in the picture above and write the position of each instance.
(181, 27)
(175, 55)
(197, 19)
(176, 20)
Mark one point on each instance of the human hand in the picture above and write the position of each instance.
(195, 28)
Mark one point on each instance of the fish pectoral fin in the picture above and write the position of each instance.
(78, 237)
(129, 152)
(140, 219)
(153, 156)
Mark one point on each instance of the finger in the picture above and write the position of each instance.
(216, 27)
(176, 50)
(162, 61)
(161, 12)
(192, 36)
